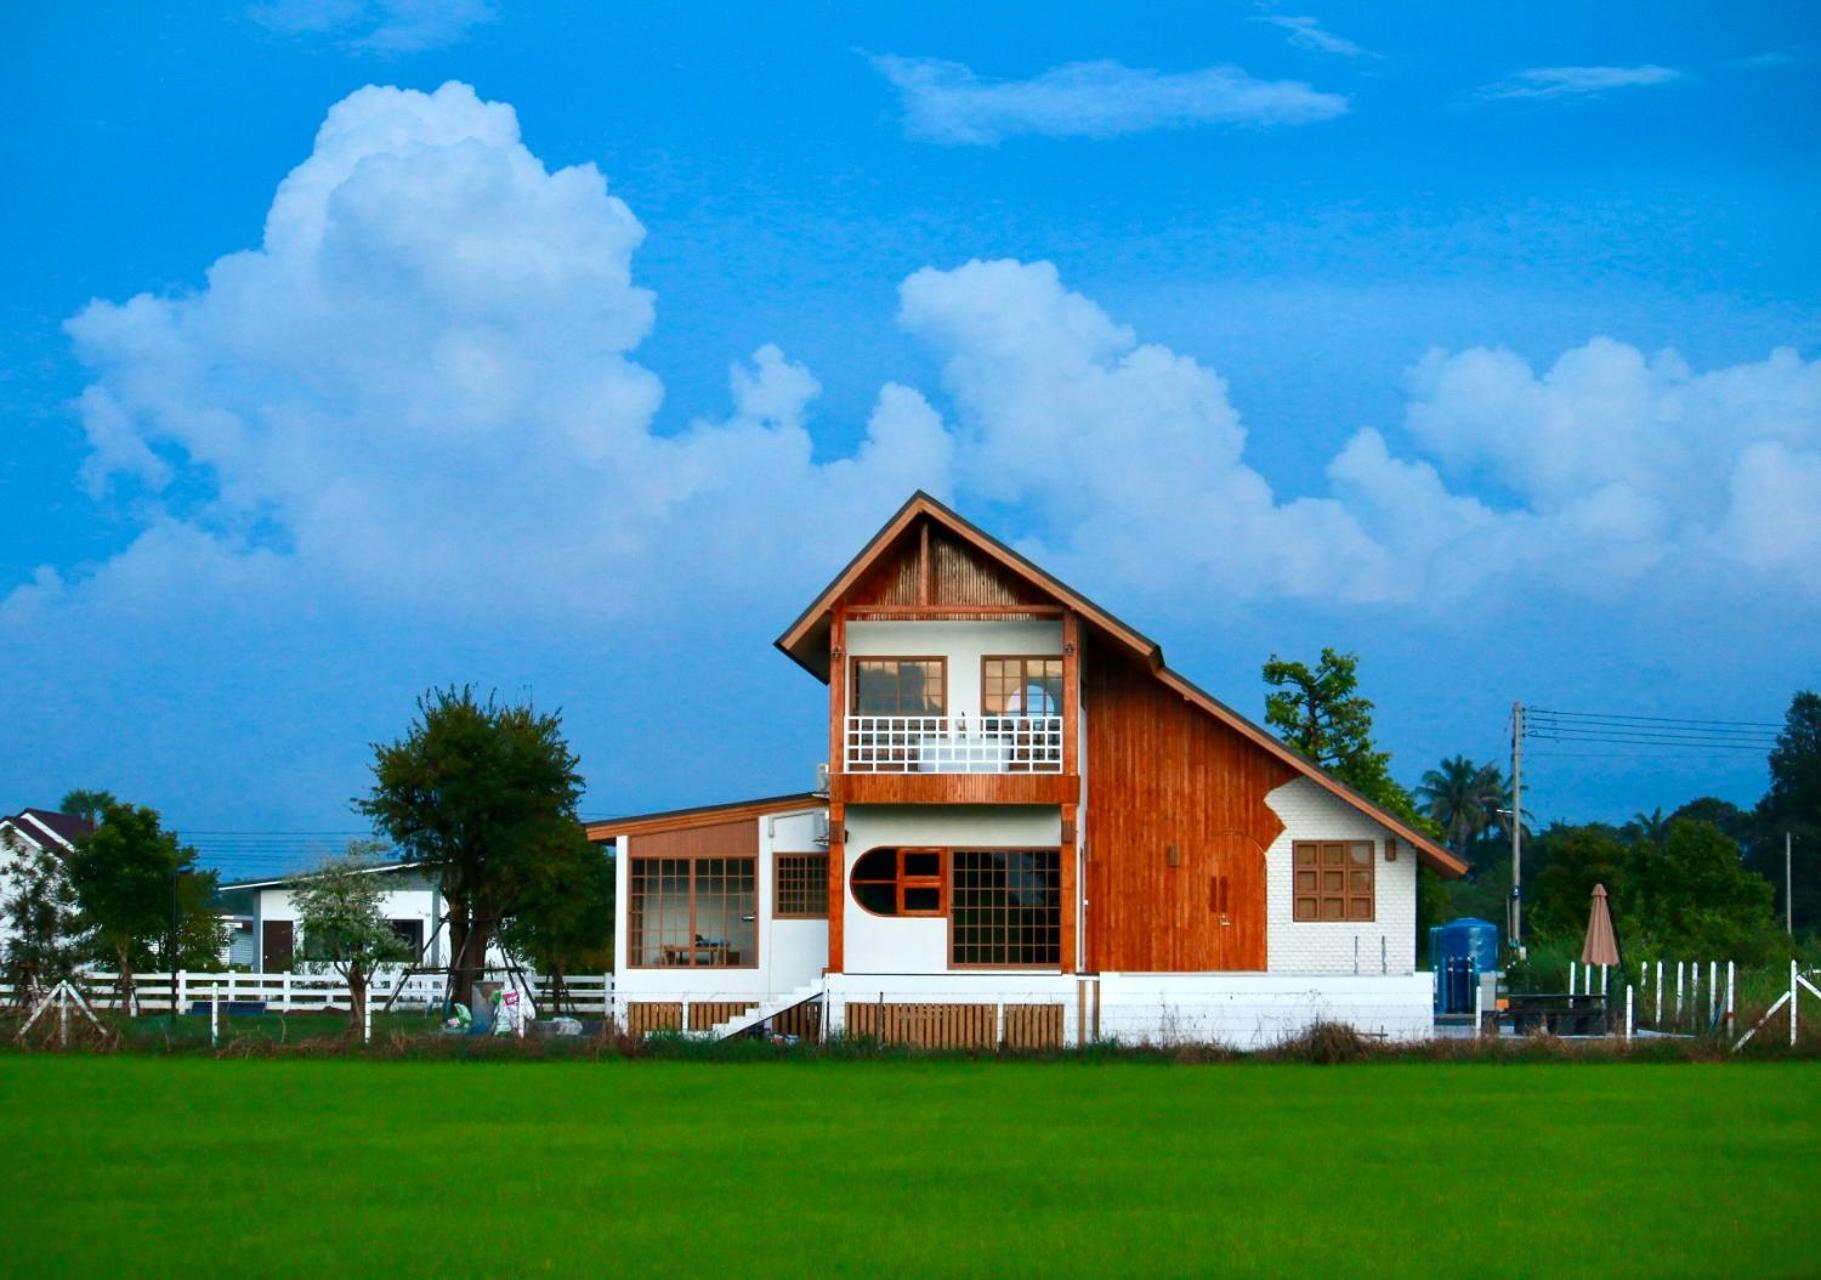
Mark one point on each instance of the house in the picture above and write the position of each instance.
(1031, 830)
(261, 917)
(29, 832)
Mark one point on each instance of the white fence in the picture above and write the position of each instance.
(324, 992)
(953, 744)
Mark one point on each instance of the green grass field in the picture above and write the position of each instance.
(130, 1165)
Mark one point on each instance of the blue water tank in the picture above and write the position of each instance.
(1467, 938)
(1459, 952)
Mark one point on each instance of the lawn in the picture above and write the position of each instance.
(195, 1166)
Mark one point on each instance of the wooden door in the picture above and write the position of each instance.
(1234, 877)
(276, 945)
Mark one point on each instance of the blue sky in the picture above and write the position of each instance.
(1480, 341)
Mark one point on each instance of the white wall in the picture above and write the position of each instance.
(1244, 1011)
(1387, 943)
(964, 644)
(885, 944)
(409, 895)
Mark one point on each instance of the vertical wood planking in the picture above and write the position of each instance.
(1165, 773)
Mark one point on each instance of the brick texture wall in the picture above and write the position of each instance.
(1386, 944)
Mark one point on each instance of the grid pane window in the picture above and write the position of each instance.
(801, 886)
(1021, 687)
(698, 912)
(1334, 880)
(899, 687)
(1006, 908)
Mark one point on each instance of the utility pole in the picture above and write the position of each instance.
(1517, 827)
(1789, 894)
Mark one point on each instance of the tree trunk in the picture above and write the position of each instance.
(124, 982)
(356, 976)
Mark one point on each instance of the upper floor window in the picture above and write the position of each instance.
(900, 686)
(1021, 686)
(1333, 879)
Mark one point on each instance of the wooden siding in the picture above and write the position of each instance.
(927, 1026)
(929, 567)
(1176, 800)
(646, 1016)
(954, 788)
(958, 1026)
(1033, 1026)
(705, 1015)
(739, 839)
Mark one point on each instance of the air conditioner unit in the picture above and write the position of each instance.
(822, 779)
(820, 827)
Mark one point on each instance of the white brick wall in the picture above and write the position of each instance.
(1385, 945)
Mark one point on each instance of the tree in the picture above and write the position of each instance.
(1793, 805)
(564, 921)
(477, 790)
(339, 912)
(1465, 799)
(1322, 715)
(143, 893)
(45, 937)
(1573, 860)
(87, 804)
(1691, 895)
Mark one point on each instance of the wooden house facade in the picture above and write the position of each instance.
(1026, 820)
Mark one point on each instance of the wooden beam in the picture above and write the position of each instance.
(837, 886)
(837, 811)
(875, 611)
(926, 569)
(1070, 899)
(1071, 691)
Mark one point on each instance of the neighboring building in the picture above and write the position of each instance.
(30, 831)
(1032, 830)
(261, 917)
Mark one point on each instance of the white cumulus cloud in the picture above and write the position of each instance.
(947, 102)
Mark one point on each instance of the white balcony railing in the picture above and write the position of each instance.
(953, 744)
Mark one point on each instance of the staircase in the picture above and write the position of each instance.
(766, 1009)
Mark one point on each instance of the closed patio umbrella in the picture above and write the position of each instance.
(1602, 946)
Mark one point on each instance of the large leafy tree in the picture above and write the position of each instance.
(45, 934)
(564, 921)
(339, 909)
(1792, 805)
(1691, 895)
(1573, 859)
(479, 791)
(144, 894)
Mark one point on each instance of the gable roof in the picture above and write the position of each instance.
(61, 828)
(699, 816)
(806, 643)
(300, 877)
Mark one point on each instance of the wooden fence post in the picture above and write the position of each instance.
(1794, 1004)
(1658, 1020)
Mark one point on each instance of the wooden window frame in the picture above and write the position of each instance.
(853, 681)
(818, 878)
(901, 882)
(1061, 692)
(632, 881)
(1349, 896)
(949, 942)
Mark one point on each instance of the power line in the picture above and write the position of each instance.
(1599, 715)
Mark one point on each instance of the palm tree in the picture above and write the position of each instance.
(1451, 795)
(1652, 826)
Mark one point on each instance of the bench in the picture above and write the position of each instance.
(1560, 1014)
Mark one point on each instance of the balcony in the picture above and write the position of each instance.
(953, 745)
